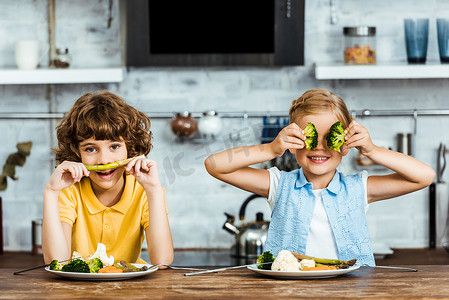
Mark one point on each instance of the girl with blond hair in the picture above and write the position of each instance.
(316, 210)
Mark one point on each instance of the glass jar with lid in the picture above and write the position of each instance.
(62, 58)
(360, 45)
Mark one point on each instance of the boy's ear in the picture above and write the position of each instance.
(292, 151)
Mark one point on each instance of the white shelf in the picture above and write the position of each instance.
(61, 76)
(395, 70)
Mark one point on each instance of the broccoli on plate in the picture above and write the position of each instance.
(95, 264)
(265, 257)
(55, 265)
(311, 136)
(336, 136)
(76, 265)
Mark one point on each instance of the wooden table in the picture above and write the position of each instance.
(431, 281)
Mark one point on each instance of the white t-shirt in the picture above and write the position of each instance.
(320, 232)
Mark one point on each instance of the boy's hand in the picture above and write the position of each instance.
(145, 170)
(290, 138)
(357, 136)
(66, 174)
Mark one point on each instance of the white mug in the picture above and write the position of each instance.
(28, 54)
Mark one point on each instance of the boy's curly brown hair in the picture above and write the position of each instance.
(102, 116)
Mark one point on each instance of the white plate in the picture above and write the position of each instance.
(104, 276)
(303, 274)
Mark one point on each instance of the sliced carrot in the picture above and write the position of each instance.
(110, 269)
(319, 268)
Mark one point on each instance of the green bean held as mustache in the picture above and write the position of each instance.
(109, 166)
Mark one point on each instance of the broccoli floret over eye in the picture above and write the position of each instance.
(336, 136)
(55, 265)
(265, 257)
(76, 265)
(95, 264)
(311, 136)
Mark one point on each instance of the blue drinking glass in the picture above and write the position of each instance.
(416, 37)
(443, 39)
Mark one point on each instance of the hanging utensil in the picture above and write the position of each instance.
(438, 202)
(441, 163)
(442, 197)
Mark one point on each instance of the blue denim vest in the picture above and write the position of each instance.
(343, 201)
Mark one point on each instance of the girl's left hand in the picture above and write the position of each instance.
(358, 137)
(145, 170)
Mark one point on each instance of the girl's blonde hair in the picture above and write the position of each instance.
(317, 101)
(102, 116)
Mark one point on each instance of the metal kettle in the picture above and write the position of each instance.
(250, 237)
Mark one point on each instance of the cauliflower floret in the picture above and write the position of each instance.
(285, 261)
(306, 263)
(76, 255)
(101, 254)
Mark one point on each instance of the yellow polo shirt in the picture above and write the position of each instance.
(120, 227)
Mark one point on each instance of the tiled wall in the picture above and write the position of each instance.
(196, 201)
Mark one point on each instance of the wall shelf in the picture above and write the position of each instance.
(61, 76)
(397, 70)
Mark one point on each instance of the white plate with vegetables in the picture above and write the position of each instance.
(292, 265)
(303, 274)
(105, 276)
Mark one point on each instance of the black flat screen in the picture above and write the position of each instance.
(212, 26)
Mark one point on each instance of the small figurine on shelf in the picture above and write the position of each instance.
(62, 59)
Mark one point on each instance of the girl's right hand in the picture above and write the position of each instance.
(290, 138)
(66, 174)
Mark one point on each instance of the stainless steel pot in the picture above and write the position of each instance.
(250, 236)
